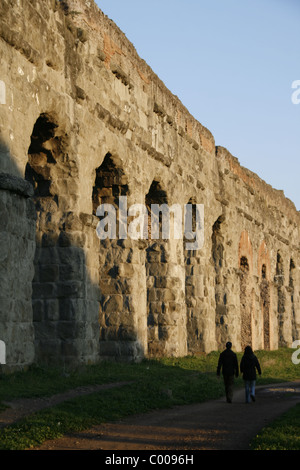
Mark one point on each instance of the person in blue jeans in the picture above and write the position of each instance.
(249, 365)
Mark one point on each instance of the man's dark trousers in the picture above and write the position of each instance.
(228, 382)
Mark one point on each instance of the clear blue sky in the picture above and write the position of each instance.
(232, 64)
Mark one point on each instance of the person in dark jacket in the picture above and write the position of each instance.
(228, 363)
(249, 365)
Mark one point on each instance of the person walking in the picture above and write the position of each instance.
(249, 365)
(228, 363)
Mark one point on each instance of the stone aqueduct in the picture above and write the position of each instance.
(83, 121)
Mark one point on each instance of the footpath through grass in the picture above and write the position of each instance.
(155, 384)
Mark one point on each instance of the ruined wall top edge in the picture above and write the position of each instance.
(88, 14)
(99, 35)
(116, 45)
(274, 197)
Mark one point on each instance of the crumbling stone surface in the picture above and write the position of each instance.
(16, 185)
(85, 121)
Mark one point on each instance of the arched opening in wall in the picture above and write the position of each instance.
(51, 172)
(155, 196)
(190, 224)
(292, 283)
(244, 265)
(265, 306)
(292, 274)
(279, 281)
(217, 245)
(245, 303)
(220, 288)
(110, 183)
(194, 283)
(42, 156)
(159, 294)
(279, 268)
(116, 258)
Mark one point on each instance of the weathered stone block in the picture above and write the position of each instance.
(4, 246)
(126, 270)
(71, 272)
(114, 304)
(38, 309)
(48, 273)
(165, 295)
(70, 289)
(72, 309)
(45, 290)
(51, 309)
(15, 185)
(66, 330)
(71, 256)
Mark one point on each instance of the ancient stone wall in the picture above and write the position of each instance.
(17, 248)
(86, 122)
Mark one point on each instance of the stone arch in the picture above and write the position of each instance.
(110, 182)
(58, 284)
(292, 273)
(41, 157)
(166, 311)
(246, 270)
(245, 250)
(120, 272)
(292, 285)
(155, 195)
(264, 268)
(50, 169)
(156, 271)
(264, 262)
(194, 287)
(281, 298)
(111, 187)
(218, 253)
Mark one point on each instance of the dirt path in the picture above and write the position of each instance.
(214, 425)
(18, 409)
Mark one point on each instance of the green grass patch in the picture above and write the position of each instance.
(156, 384)
(281, 434)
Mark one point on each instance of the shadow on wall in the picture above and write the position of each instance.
(66, 301)
(50, 263)
(69, 292)
(17, 247)
(49, 306)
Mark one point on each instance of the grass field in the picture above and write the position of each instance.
(282, 434)
(154, 384)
